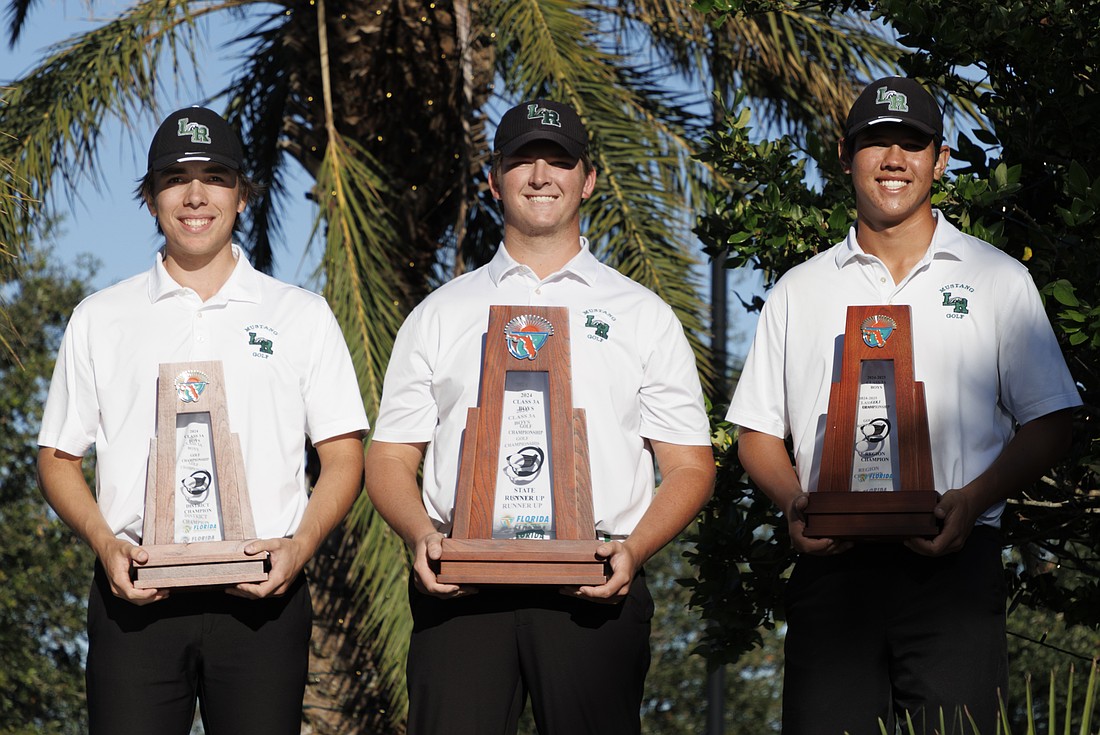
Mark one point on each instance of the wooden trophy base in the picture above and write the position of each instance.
(203, 564)
(521, 561)
(872, 516)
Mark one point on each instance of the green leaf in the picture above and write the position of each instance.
(1063, 292)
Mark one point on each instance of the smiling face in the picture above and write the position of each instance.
(893, 168)
(196, 204)
(540, 188)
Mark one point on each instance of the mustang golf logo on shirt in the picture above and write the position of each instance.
(190, 384)
(599, 322)
(526, 334)
(877, 329)
(261, 337)
(956, 297)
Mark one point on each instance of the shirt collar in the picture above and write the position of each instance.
(946, 242)
(243, 283)
(583, 266)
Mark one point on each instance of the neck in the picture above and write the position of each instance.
(203, 275)
(543, 255)
(899, 246)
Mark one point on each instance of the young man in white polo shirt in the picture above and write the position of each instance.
(878, 630)
(242, 651)
(582, 656)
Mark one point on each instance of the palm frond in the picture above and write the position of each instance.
(361, 286)
(14, 210)
(364, 293)
(258, 102)
(17, 16)
(800, 63)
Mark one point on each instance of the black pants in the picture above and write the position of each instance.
(474, 660)
(245, 660)
(880, 631)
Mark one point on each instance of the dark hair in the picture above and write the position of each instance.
(248, 190)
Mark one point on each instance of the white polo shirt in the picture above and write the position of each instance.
(633, 372)
(982, 345)
(287, 370)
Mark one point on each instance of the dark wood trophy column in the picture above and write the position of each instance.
(876, 463)
(523, 505)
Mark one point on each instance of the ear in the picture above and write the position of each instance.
(942, 157)
(844, 157)
(589, 184)
(241, 205)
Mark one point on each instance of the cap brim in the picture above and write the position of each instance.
(915, 124)
(572, 147)
(166, 161)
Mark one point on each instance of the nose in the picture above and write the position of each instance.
(540, 173)
(196, 193)
(894, 157)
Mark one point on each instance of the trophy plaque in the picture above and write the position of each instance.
(198, 517)
(523, 503)
(876, 463)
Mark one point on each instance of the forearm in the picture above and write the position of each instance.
(337, 487)
(61, 480)
(686, 485)
(1035, 448)
(391, 471)
(767, 462)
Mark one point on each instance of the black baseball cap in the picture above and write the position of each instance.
(195, 134)
(895, 100)
(541, 120)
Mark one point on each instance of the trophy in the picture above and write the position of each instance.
(523, 504)
(198, 517)
(876, 463)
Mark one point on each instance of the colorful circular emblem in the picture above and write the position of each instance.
(190, 384)
(877, 329)
(526, 334)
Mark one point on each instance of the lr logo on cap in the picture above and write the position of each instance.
(896, 101)
(197, 133)
(549, 117)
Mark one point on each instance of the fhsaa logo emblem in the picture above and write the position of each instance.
(526, 334)
(549, 117)
(190, 384)
(198, 133)
(895, 101)
(876, 330)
